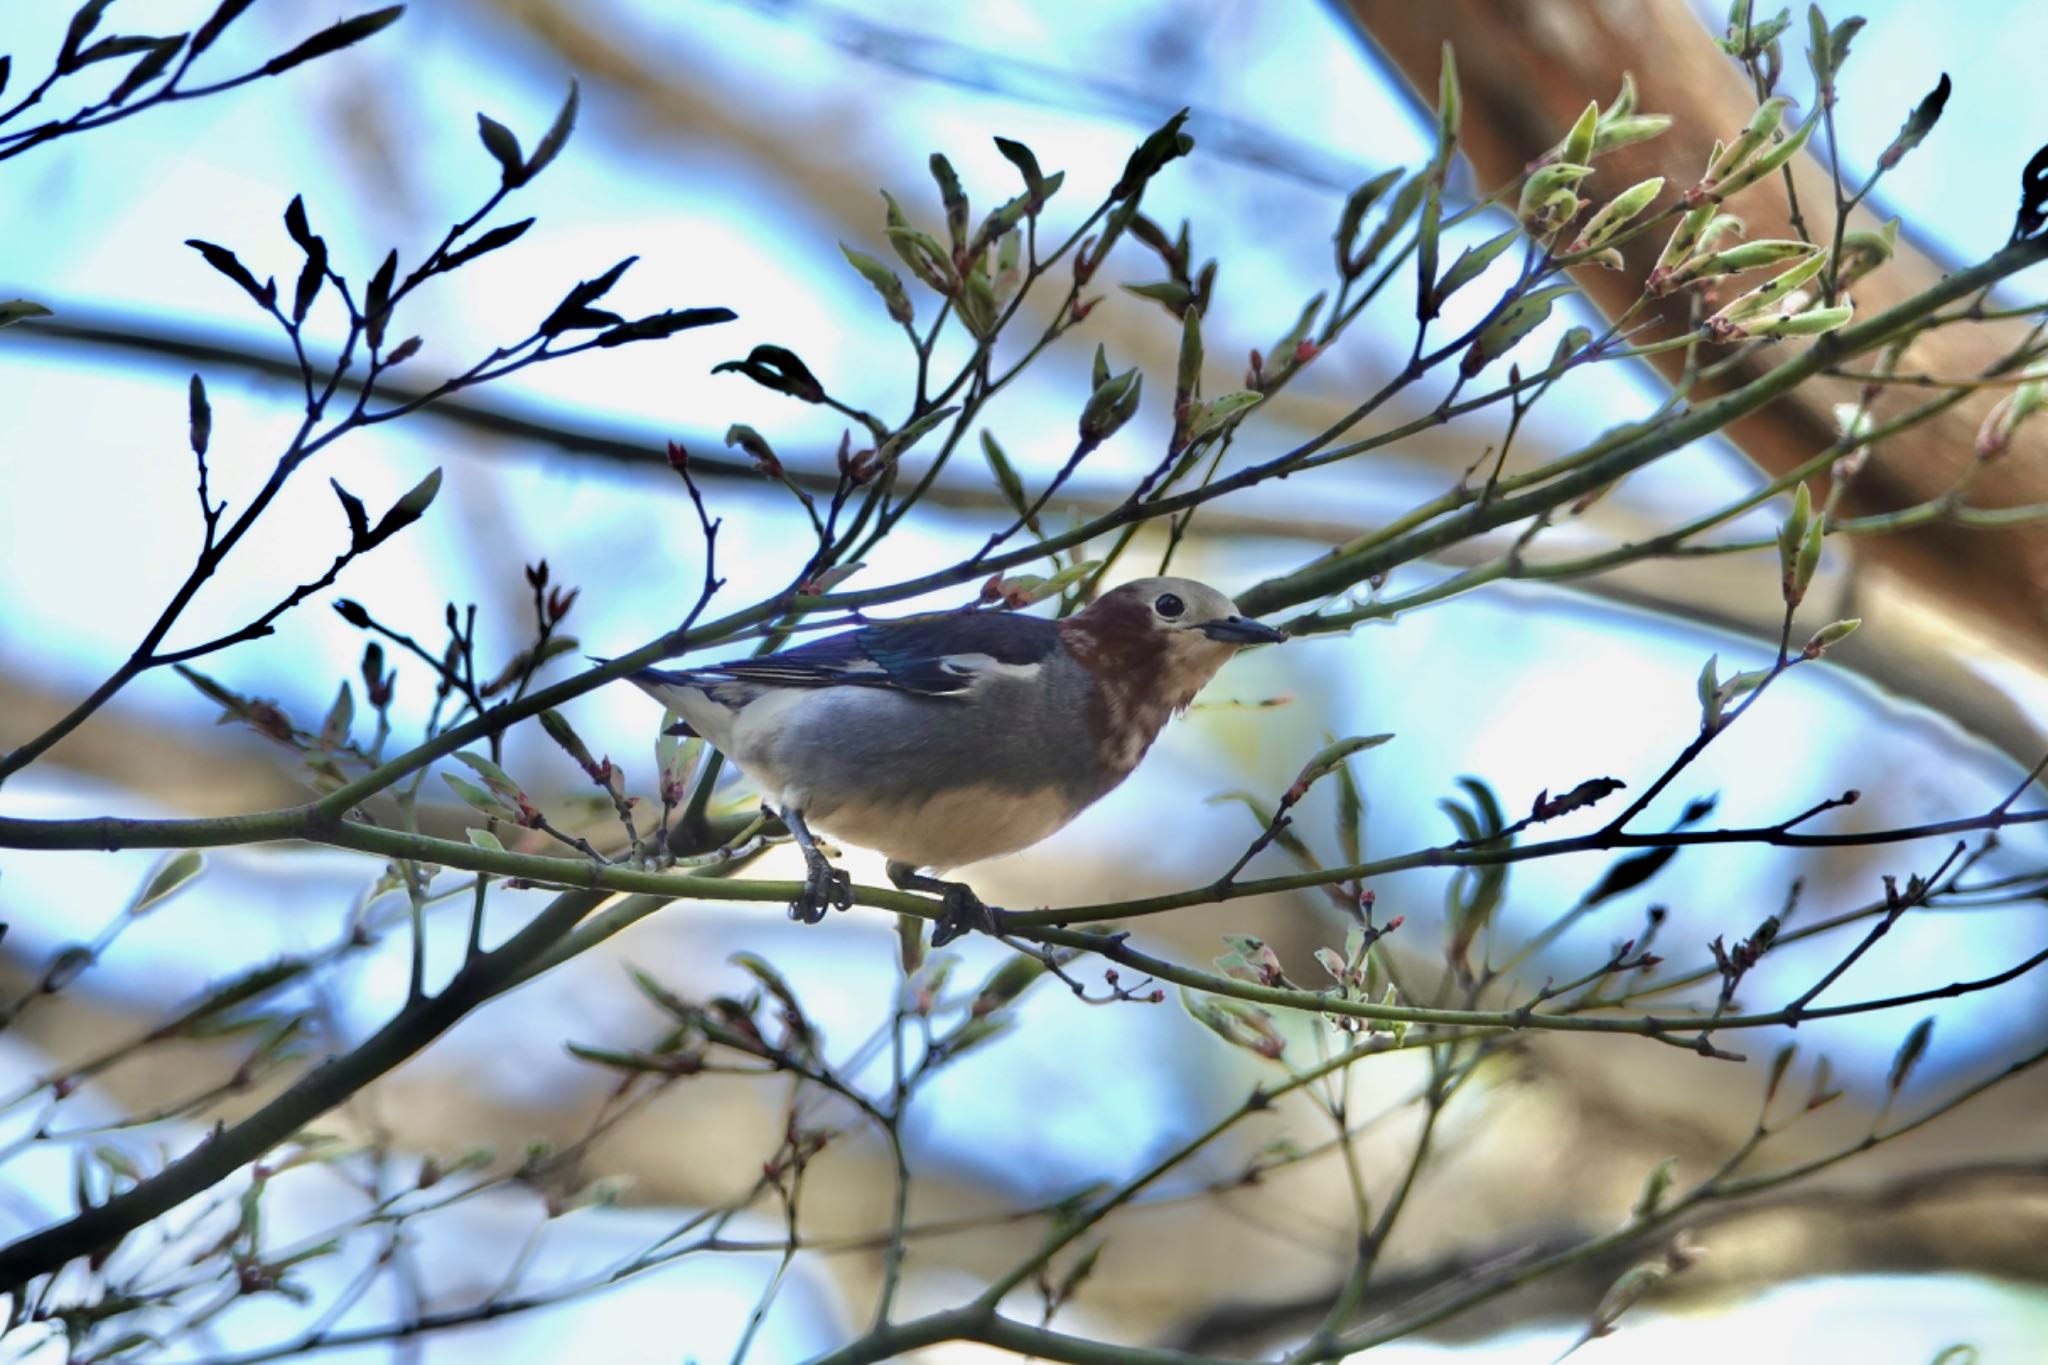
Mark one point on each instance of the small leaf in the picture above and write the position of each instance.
(83, 21)
(574, 310)
(779, 370)
(1780, 1064)
(169, 875)
(778, 986)
(1152, 155)
(201, 417)
(1221, 411)
(1909, 1054)
(953, 197)
(1918, 124)
(1471, 262)
(226, 262)
(485, 840)
(377, 299)
(658, 325)
(494, 777)
(502, 235)
(480, 799)
(884, 281)
(1577, 147)
(1020, 156)
(341, 35)
(1655, 1186)
(153, 64)
(503, 144)
(358, 518)
(1520, 318)
(556, 137)
(909, 435)
(1328, 759)
(1235, 1022)
(216, 23)
(1830, 635)
(407, 509)
(1008, 481)
(1353, 218)
(1618, 213)
(15, 310)
(334, 729)
(1628, 874)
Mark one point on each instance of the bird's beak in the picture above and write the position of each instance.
(1242, 630)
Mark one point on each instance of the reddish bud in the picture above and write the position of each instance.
(678, 458)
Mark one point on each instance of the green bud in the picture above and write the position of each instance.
(1625, 101)
(1737, 259)
(884, 281)
(1220, 412)
(1617, 213)
(1807, 562)
(1792, 535)
(1111, 405)
(1541, 208)
(1498, 337)
(407, 509)
(1767, 297)
(1471, 262)
(1578, 143)
(1829, 636)
(1864, 251)
(1188, 374)
(926, 258)
(1811, 322)
(172, 872)
(1656, 1185)
(1909, 1054)
(1749, 141)
(2007, 415)
(1353, 218)
(953, 197)
(14, 310)
(1684, 240)
(1742, 177)
(1449, 110)
(1625, 132)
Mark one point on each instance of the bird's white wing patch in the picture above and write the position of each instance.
(980, 666)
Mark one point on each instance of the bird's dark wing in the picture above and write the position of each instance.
(930, 656)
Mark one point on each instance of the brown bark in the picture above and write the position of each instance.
(1527, 70)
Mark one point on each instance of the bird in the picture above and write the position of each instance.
(942, 740)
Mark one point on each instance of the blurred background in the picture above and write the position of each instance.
(732, 147)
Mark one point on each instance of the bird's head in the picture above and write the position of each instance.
(1163, 636)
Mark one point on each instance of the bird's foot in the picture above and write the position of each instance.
(965, 913)
(825, 888)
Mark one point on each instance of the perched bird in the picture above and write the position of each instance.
(942, 740)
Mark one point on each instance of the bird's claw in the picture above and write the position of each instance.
(965, 913)
(825, 888)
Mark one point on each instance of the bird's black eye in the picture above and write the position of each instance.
(1169, 606)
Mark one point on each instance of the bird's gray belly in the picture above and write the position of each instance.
(931, 781)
